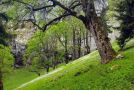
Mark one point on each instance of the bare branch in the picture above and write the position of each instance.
(68, 12)
(44, 7)
(63, 7)
(33, 21)
(6, 2)
(73, 4)
(60, 39)
(55, 20)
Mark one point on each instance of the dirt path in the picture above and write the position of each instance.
(36, 79)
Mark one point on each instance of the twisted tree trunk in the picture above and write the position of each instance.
(102, 41)
(96, 27)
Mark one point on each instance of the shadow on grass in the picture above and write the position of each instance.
(127, 48)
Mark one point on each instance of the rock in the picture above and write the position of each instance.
(77, 74)
(17, 66)
(115, 67)
(119, 56)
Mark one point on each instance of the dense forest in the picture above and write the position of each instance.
(66, 44)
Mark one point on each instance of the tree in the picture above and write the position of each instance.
(95, 25)
(121, 11)
(3, 36)
(5, 52)
(89, 17)
(125, 9)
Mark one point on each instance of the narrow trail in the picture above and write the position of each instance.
(38, 78)
(56, 70)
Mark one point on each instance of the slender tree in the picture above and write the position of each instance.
(87, 42)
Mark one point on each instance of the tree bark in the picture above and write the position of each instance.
(79, 44)
(66, 49)
(95, 25)
(102, 41)
(74, 44)
(87, 42)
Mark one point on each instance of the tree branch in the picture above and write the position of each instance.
(68, 12)
(44, 7)
(56, 19)
(63, 7)
(33, 21)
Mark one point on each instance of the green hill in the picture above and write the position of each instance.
(87, 73)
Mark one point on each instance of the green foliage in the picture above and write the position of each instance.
(54, 39)
(6, 58)
(125, 9)
(122, 10)
(12, 12)
(3, 34)
(3, 16)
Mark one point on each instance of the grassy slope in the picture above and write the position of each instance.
(87, 73)
(17, 77)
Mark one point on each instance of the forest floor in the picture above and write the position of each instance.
(86, 73)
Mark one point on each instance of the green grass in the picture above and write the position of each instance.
(17, 77)
(87, 73)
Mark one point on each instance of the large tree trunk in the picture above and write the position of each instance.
(95, 25)
(102, 41)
